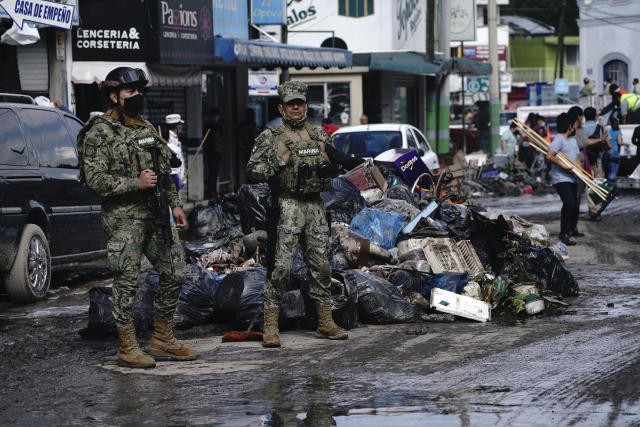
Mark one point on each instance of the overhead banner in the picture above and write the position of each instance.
(185, 32)
(463, 20)
(263, 82)
(269, 12)
(50, 13)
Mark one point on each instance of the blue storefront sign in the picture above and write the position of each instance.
(230, 19)
(562, 86)
(269, 12)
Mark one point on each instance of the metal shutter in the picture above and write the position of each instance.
(161, 101)
(33, 67)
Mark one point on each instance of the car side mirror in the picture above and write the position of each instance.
(420, 152)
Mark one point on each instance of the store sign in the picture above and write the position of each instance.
(76, 16)
(52, 14)
(230, 19)
(561, 86)
(185, 32)
(481, 53)
(263, 82)
(463, 20)
(409, 25)
(505, 82)
(478, 84)
(107, 34)
(269, 12)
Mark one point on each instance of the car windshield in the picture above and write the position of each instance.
(367, 143)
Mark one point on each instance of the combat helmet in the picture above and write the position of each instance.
(123, 77)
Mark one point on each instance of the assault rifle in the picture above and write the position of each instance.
(161, 207)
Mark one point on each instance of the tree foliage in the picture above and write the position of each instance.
(547, 11)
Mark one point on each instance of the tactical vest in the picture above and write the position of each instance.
(133, 156)
(633, 101)
(304, 172)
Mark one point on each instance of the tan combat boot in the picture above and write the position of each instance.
(326, 326)
(271, 337)
(164, 345)
(131, 356)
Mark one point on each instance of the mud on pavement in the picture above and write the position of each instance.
(580, 366)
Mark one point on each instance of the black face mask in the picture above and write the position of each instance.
(134, 105)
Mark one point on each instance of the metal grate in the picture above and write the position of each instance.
(447, 255)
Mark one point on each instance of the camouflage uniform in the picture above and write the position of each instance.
(112, 156)
(302, 217)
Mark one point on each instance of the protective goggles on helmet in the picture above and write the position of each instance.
(134, 75)
(125, 76)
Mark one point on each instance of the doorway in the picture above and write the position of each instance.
(616, 70)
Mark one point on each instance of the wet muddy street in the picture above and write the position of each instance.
(575, 366)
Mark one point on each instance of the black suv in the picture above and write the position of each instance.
(46, 215)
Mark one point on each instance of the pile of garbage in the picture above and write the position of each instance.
(498, 178)
(394, 258)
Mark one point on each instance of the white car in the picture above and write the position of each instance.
(371, 140)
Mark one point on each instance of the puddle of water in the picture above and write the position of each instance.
(68, 311)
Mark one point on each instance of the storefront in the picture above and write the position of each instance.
(34, 60)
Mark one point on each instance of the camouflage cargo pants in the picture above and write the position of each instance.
(127, 240)
(303, 222)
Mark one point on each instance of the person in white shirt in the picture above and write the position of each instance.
(174, 123)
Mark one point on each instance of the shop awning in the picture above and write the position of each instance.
(87, 72)
(470, 67)
(266, 53)
(401, 62)
(415, 63)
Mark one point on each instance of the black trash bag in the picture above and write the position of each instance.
(197, 298)
(337, 258)
(143, 310)
(250, 304)
(408, 210)
(458, 220)
(344, 301)
(379, 302)
(409, 281)
(292, 309)
(101, 322)
(341, 205)
(187, 316)
(401, 192)
(299, 272)
(487, 240)
(254, 200)
(549, 272)
(213, 223)
(228, 295)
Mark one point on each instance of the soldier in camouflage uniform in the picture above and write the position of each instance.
(296, 154)
(116, 163)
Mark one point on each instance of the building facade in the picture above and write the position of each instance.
(608, 41)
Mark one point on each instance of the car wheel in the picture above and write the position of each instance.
(30, 275)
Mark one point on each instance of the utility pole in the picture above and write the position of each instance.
(284, 75)
(430, 83)
(445, 48)
(494, 81)
(559, 68)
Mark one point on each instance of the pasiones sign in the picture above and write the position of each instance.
(185, 32)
